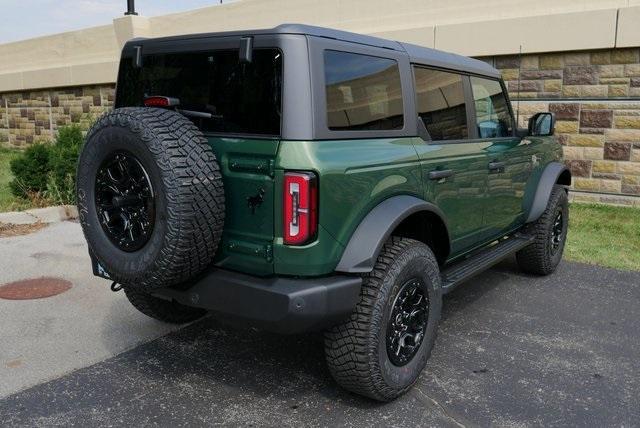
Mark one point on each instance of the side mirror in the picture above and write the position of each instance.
(542, 124)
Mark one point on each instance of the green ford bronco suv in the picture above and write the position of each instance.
(301, 179)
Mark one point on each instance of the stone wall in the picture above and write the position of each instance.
(612, 73)
(601, 142)
(596, 98)
(28, 117)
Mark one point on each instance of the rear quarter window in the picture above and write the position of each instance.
(363, 92)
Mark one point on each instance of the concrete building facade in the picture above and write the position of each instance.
(580, 59)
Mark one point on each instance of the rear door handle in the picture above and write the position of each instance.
(439, 174)
(496, 166)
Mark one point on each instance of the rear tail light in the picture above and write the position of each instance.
(300, 207)
(158, 101)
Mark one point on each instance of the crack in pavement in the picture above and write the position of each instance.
(440, 406)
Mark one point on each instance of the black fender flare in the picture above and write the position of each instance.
(548, 179)
(365, 243)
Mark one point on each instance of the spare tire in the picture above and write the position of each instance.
(150, 197)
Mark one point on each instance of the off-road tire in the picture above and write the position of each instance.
(163, 310)
(538, 257)
(189, 196)
(356, 350)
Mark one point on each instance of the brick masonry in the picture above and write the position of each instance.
(594, 94)
(601, 142)
(28, 117)
(613, 73)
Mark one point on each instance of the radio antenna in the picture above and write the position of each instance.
(518, 92)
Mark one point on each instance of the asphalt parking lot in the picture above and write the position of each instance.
(512, 350)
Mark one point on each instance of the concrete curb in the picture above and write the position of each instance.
(41, 215)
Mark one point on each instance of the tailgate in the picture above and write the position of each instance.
(247, 170)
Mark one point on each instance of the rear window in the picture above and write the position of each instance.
(363, 92)
(441, 103)
(241, 98)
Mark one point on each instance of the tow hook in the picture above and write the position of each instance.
(115, 287)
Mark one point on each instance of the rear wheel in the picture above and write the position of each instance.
(381, 350)
(550, 231)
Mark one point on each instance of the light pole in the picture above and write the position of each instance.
(131, 8)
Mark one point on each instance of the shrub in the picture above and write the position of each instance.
(63, 163)
(31, 171)
(48, 171)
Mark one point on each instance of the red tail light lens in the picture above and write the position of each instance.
(300, 207)
(158, 101)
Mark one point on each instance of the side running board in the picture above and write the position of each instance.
(482, 260)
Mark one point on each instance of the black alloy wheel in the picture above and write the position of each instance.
(407, 322)
(557, 232)
(125, 201)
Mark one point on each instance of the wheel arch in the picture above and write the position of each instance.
(405, 216)
(554, 173)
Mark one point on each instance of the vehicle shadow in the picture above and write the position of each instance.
(211, 354)
(471, 291)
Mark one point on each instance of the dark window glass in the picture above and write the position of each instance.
(242, 98)
(363, 92)
(441, 105)
(492, 113)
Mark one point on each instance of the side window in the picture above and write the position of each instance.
(440, 103)
(363, 92)
(492, 113)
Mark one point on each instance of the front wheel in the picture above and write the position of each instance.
(383, 347)
(550, 232)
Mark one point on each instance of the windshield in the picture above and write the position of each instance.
(235, 97)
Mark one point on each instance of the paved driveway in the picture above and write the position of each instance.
(512, 350)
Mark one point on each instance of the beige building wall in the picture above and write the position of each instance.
(581, 59)
(468, 27)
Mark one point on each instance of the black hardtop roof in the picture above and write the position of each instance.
(417, 54)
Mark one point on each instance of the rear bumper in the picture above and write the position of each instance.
(282, 305)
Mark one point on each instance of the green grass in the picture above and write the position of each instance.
(8, 202)
(604, 235)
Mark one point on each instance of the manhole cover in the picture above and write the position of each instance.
(37, 288)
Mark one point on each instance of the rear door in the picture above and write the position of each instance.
(238, 107)
(454, 167)
(509, 162)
